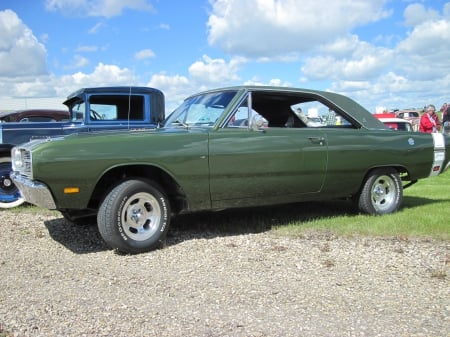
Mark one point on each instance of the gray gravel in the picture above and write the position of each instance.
(59, 279)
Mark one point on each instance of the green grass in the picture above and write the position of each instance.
(425, 213)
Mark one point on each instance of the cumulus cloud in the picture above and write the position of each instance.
(216, 70)
(144, 54)
(21, 54)
(174, 87)
(347, 60)
(266, 28)
(78, 62)
(415, 14)
(103, 8)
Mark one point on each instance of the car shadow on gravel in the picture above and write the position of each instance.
(84, 239)
(80, 239)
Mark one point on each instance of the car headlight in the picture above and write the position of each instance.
(17, 159)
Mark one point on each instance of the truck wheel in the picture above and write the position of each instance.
(382, 192)
(9, 194)
(134, 217)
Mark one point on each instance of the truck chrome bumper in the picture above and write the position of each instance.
(34, 192)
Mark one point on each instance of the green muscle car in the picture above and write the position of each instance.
(224, 148)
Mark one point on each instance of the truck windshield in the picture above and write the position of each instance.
(201, 110)
(77, 110)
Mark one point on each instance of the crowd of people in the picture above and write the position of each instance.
(430, 122)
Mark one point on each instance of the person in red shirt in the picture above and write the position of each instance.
(429, 122)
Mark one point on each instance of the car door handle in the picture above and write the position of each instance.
(317, 140)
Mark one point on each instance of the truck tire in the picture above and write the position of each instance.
(134, 217)
(9, 194)
(382, 192)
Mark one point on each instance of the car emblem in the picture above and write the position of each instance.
(411, 141)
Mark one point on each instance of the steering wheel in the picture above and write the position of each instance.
(95, 115)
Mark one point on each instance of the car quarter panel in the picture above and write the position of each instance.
(353, 154)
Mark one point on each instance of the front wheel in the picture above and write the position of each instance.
(9, 194)
(134, 217)
(382, 192)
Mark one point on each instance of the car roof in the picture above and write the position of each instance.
(18, 115)
(394, 120)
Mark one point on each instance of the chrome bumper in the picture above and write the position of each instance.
(34, 192)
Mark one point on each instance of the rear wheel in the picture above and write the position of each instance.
(9, 194)
(134, 217)
(382, 192)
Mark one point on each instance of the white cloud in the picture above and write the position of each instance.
(175, 88)
(211, 70)
(164, 26)
(21, 54)
(86, 49)
(144, 54)
(347, 60)
(277, 82)
(103, 8)
(78, 62)
(415, 14)
(96, 28)
(265, 28)
(50, 85)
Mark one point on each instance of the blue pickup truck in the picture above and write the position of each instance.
(89, 110)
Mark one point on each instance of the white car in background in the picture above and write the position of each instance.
(398, 124)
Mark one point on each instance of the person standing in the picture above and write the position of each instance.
(429, 122)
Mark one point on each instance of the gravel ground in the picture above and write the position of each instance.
(59, 279)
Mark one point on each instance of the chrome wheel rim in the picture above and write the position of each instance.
(383, 193)
(141, 216)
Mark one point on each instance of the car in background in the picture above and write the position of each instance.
(34, 115)
(412, 115)
(393, 122)
(134, 181)
(397, 124)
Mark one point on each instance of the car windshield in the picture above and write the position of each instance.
(201, 110)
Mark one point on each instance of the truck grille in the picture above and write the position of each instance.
(25, 169)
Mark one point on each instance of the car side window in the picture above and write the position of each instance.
(286, 110)
(240, 118)
(315, 114)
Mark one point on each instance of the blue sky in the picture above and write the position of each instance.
(381, 53)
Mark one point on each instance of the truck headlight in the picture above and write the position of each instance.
(17, 159)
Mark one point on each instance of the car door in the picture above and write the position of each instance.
(270, 163)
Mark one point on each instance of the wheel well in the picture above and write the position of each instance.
(402, 171)
(118, 174)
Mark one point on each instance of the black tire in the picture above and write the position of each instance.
(382, 192)
(134, 217)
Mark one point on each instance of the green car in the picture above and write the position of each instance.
(225, 148)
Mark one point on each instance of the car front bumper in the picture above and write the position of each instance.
(34, 192)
